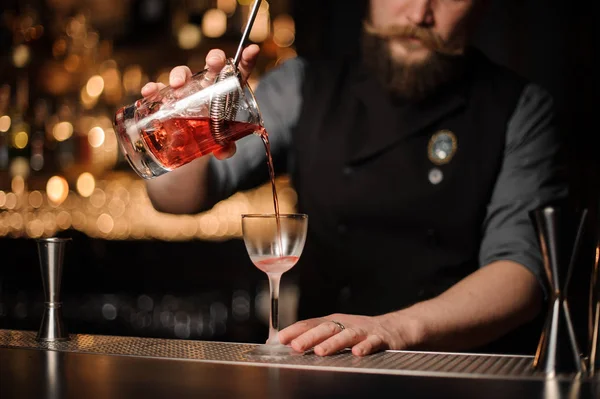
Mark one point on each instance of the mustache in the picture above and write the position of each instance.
(426, 36)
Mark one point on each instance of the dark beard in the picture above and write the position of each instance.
(409, 82)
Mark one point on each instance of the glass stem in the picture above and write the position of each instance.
(274, 279)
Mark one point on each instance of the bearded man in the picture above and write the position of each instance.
(418, 162)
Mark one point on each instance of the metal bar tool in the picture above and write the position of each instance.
(557, 351)
(51, 252)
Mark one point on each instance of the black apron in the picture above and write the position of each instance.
(382, 236)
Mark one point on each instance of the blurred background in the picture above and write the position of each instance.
(67, 65)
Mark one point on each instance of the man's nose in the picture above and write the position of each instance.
(420, 12)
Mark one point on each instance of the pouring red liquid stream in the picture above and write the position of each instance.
(177, 141)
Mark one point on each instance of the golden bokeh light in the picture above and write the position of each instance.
(87, 101)
(132, 78)
(79, 220)
(20, 140)
(214, 23)
(112, 82)
(49, 219)
(96, 136)
(11, 201)
(189, 227)
(112, 79)
(16, 221)
(105, 223)
(17, 184)
(262, 25)
(95, 86)
(75, 27)
(189, 36)
(5, 122)
(98, 198)
(86, 184)
(283, 37)
(103, 121)
(62, 131)
(163, 77)
(284, 30)
(111, 148)
(72, 62)
(21, 55)
(63, 220)
(108, 64)
(19, 167)
(36, 199)
(35, 228)
(57, 189)
(85, 123)
(209, 224)
(284, 21)
(116, 207)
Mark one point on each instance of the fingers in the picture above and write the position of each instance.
(225, 152)
(327, 338)
(314, 336)
(248, 61)
(345, 339)
(371, 344)
(179, 75)
(151, 88)
(289, 333)
(215, 60)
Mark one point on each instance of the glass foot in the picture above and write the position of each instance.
(273, 351)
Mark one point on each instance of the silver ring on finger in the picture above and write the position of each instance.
(340, 325)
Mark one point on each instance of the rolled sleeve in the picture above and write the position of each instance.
(532, 175)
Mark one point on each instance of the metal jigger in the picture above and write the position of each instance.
(594, 315)
(51, 253)
(557, 351)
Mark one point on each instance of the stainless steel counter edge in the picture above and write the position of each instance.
(415, 363)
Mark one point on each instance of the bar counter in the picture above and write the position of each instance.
(95, 366)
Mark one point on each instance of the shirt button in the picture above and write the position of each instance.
(342, 228)
(348, 170)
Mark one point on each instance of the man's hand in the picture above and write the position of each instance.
(480, 308)
(364, 334)
(215, 60)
